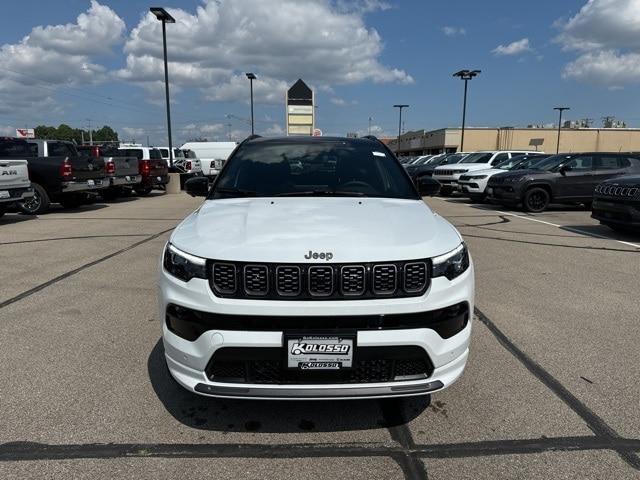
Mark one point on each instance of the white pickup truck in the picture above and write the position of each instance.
(14, 175)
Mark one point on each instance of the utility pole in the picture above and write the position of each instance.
(90, 133)
(560, 109)
(399, 107)
(370, 118)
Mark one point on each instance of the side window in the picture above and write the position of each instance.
(627, 162)
(57, 149)
(500, 158)
(607, 162)
(580, 164)
(154, 154)
(33, 149)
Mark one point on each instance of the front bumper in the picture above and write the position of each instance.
(188, 360)
(126, 180)
(473, 186)
(618, 212)
(503, 193)
(15, 194)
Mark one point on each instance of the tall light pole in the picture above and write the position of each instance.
(251, 78)
(370, 118)
(465, 75)
(162, 15)
(560, 109)
(399, 107)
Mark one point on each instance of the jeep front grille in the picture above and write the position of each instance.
(319, 281)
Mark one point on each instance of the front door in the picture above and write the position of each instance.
(577, 180)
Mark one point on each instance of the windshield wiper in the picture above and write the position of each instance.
(236, 191)
(322, 193)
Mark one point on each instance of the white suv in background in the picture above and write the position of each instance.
(474, 183)
(285, 283)
(448, 175)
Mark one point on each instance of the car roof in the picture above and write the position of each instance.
(294, 140)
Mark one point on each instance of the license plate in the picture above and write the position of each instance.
(4, 194)
(490, 191)
(319, 352)
(91, 183)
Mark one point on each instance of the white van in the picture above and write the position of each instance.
(212, 155)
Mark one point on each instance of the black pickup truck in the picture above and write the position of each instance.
(120, 170)
(59, 174)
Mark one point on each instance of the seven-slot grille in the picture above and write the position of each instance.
(320, 281)
(614, 190)
(449, 172)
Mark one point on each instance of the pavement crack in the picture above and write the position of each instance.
(599, 427)
(79, 269)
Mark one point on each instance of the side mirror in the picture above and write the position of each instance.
(564, 169)
(428, 187)
(197, 186)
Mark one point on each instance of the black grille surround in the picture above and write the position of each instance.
(319, 281)
(266, 365)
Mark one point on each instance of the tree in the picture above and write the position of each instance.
(65, 132)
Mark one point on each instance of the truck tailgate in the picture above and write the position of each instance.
(124, 165)
(13, 173)
(159, 167)
(86, 168)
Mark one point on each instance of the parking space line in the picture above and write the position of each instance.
(85, 237)
(594, 422)
(571, 229)
(68, 274)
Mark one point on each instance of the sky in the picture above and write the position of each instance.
(85, 62)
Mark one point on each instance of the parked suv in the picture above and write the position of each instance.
(483, 160)
(474, 184)
(314, 270)
(566, 178)
(616, 203)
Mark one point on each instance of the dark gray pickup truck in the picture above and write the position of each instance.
(121, 171)
(59, 174)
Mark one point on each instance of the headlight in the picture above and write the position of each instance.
(183, 265)
(451, 264)
(477, 177)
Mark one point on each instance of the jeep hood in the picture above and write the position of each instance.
(286, 229)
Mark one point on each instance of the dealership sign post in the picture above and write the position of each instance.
(25, 133)
(299, 110)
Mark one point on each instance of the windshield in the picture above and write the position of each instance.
(455, 158)
(479, 157)
(313, 168)
(549, 163)
(423, 160)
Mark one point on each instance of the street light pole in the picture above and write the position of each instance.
(400, 107)
(465, 75)
(162, 15)
(560, 110)
(370, 118)
(251, 78)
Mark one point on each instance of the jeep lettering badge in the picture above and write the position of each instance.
(322, 255)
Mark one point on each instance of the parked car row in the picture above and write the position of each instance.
(35, 173)
(606, 182)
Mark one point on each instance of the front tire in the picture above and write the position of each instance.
(536, 200)
(39, 203)
(445, 191)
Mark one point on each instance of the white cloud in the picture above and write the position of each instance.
(274, 130)
(453, 31)
(341, 102)
(603, 24)
(53, 56)
(514, 48)
(362, 6)
(133, 131)
(605, 32)
(280, 41)
(606, 67)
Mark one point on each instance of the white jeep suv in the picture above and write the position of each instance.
(449, 175)
(315, 270)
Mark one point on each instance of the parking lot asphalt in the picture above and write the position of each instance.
(550, 390)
